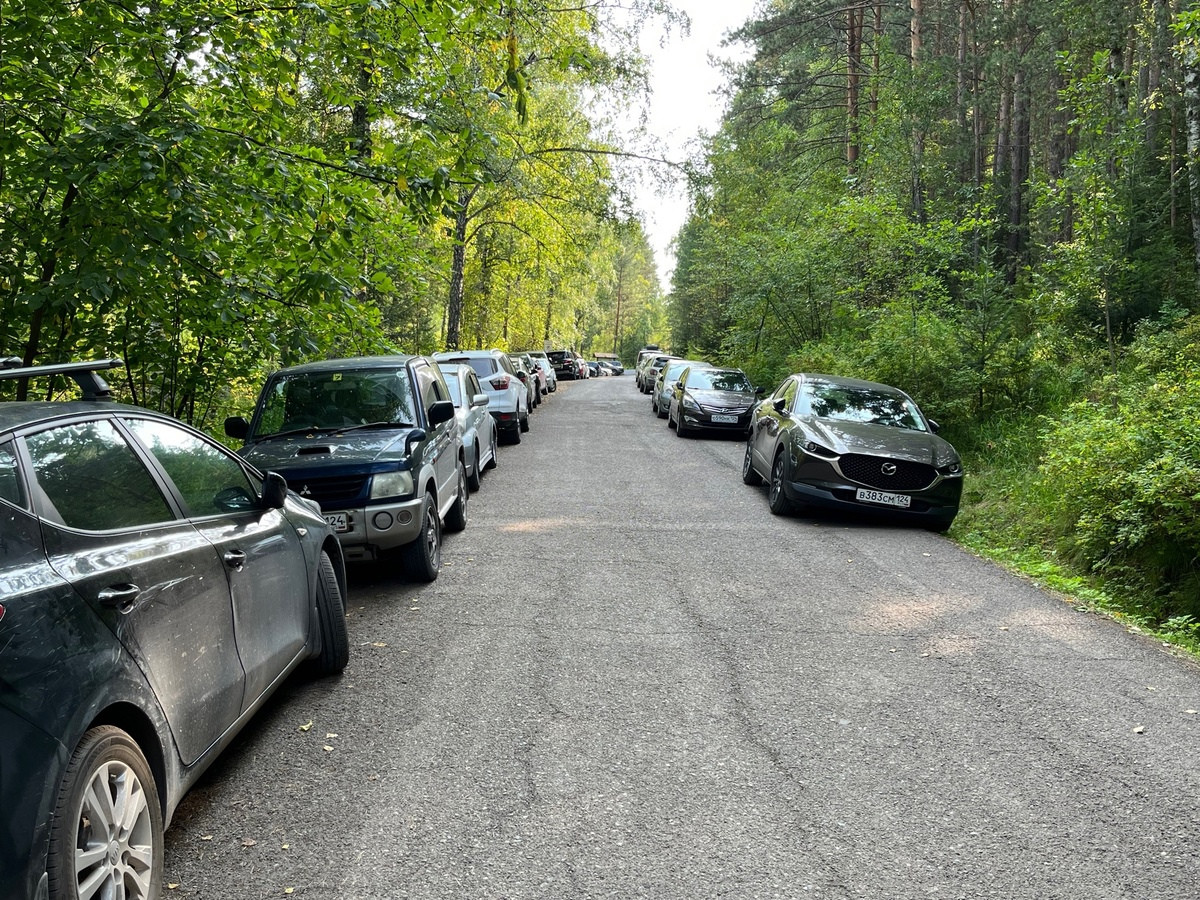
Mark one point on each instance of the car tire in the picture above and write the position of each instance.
(331, 619)
(423, 557)
(680, 430)
(117, 842)
(491, 463)
(456, 518)
(475, 476)
(749, 474)
(514, 434)
(777, 500)
(525, 423)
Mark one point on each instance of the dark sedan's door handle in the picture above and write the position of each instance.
(235, 559)
(119, 596)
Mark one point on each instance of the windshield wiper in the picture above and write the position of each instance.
(307, 429)
(376, 425)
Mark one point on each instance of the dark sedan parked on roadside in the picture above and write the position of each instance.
(155, 589)
(839, 443)
(711, 399)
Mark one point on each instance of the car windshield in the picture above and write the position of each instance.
(844, 403)
(718, 380)
(333, 400)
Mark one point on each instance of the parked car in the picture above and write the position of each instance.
(155, 589)
(533, 391)
(532, 366)
(375, 441)
(547, 367)
(582, 368)
(839, 443)
(594, 368)
(565, 364)
(508, 398)
(475, 422)
(648, 374)
(711, 399)
(612, 364)
(660, 397)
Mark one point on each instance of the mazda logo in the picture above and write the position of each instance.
(888, 468)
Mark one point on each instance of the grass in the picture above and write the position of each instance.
(1003, 518)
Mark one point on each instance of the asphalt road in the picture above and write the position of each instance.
(631, 680)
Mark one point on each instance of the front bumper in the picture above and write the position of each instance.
(692, 419)
(818, 485)
(374, 529)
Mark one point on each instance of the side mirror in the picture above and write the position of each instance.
(237, 427)
(274, 491)
(780, 405)
(934, 426)
(441, 411)
(759, 391)
(480, 400)
(418, 434)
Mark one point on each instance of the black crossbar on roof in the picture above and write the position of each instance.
(84, 374)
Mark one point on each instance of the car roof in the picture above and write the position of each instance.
(353, 362)
(18, 413)
(843, 381)
(451, 355)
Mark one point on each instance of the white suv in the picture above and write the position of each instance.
(507, 395)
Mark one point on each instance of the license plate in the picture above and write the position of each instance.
(727, 420)
(883, 497)
(338, 521)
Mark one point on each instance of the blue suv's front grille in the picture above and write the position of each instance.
(333, 492)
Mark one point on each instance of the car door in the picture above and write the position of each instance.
(770, 423)
(262, 557)
(441, 437)
(112, 533)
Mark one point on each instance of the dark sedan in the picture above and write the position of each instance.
(706, 398)
(839, 443)
(155, 589)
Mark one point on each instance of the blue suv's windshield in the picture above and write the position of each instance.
(336, 400)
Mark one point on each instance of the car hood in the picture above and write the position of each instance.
(338, 448)
(723, 399)
(880, 440)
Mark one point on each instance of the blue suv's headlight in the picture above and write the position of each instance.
(391, 484)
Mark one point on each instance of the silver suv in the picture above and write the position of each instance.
(508, 399)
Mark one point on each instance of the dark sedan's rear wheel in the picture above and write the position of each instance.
(749, 475)
(106, 831)
(423, 557)
(331, 617)
(777, 500)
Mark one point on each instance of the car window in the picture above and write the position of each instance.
(473, 386)
(854, 404)
(506, 365)
(210, 481)
(10, 481)
(90, 478)
(788, 392)
(455, 389)
(336, 400)
(431, 387)
(717, 380)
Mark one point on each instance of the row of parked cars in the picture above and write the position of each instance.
(128, 539)
(820, 442)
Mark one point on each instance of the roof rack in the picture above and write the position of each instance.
(84, 374)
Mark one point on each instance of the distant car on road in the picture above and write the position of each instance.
(660, 397)
(155, 589)
(711, 399)
(508, 397)
(825, 442)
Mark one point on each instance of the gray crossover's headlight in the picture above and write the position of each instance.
(391, 484)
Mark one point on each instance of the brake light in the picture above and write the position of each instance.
(499, 382)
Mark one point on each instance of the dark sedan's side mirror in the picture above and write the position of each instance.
(274, 491)
(934, 426)
(780, 405)
(237, 427)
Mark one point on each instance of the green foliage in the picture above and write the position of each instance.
(1121, 475)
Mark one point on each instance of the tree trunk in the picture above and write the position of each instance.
(853, 80)
(458, 265)
(1191, 99)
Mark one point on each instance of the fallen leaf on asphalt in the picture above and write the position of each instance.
(248, 842)
(328, 749)
(288, 890)
(1191, 712)
(206, 837)
(379, 644)
(171, 886)
(307, 725)
(1140, 729)
(330, 735)
(286, 847)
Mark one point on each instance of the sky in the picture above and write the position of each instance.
(682, 105)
